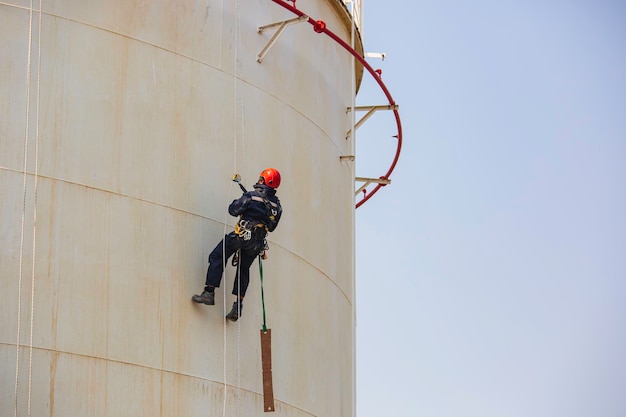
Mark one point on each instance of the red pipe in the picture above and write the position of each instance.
(323, 29)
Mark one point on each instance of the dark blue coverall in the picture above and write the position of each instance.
(260, 212)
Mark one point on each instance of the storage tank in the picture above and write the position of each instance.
(121, 124)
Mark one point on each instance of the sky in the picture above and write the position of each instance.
(491, 273)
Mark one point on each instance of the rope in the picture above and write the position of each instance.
(224, 307)
(262, 294)
(239, 106)
(239, 116)
(25, 165)
(32, 293)
(224, 281)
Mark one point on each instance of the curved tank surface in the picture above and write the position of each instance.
(121, 125)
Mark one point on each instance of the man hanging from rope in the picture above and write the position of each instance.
(259, 212)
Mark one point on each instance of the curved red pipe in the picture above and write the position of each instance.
(367, 66)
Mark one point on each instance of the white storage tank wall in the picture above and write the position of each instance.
(136, 123)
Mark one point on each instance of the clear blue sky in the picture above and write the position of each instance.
(491, 274)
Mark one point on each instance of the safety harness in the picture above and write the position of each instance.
(246, 228)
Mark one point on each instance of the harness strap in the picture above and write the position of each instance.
(271, 208)
(264, 200)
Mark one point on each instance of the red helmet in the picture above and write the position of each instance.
(271, 176)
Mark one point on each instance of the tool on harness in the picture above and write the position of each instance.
(243, 229)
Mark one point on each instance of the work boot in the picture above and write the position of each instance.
(206, 297)
(235, 313)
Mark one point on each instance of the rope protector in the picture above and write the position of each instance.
(266, 354)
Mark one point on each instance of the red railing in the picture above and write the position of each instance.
(320, 27)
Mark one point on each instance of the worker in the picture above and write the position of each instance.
(259, 212)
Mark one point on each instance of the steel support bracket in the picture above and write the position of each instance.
(368, 181)
(281, 27)
(370, 111)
